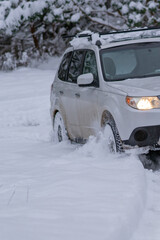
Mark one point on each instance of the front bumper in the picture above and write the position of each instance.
(144, 136)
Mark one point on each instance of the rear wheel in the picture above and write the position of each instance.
(60, 132)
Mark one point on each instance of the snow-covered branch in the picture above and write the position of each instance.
(95, 19)
(33, 29)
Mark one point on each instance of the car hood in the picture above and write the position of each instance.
(139, 86)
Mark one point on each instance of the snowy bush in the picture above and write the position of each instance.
(138, 13)
(8, 62)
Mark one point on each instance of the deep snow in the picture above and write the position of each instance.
(64, 191)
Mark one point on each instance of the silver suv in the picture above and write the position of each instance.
(112, 82)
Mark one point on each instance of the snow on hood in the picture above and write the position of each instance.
(139, 86)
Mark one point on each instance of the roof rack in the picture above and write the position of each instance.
(103, 38)
(89, 35)
(79, 35)
(130, 31)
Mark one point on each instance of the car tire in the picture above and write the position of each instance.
(112, 136)
(60, 133)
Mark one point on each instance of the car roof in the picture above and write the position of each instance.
(126, 42)
(89, 40)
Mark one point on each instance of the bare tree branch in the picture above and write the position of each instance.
(95, 20)
(110, 14)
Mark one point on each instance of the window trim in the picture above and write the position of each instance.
(82, 66)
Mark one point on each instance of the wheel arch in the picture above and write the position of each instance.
(56, 110)
(53, 115)
(105, 116)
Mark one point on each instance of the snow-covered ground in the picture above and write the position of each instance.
(65, 191)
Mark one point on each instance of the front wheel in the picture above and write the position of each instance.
(112, 136)
(110, 139)
(59, 129)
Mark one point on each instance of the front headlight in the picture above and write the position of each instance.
(143, 103)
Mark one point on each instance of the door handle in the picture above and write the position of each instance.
(77, 95)
(61, 92)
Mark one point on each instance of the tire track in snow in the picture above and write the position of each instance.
(149, 227)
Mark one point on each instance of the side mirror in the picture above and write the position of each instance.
(85, 80)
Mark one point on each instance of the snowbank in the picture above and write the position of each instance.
(59, 191)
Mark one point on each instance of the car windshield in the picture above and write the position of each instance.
(131, 61)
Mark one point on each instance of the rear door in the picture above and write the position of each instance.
(68, 91)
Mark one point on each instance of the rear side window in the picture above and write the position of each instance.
(62, 72)
(75, 68)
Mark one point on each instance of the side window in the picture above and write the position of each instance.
(75, 66)
(90, 66)
(62, 72)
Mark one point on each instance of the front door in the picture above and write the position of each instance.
(87, 99)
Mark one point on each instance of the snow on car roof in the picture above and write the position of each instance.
(87, 37)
